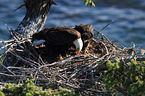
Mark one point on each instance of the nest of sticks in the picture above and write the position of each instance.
(82, 72)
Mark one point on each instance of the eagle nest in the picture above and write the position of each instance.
(82, 72)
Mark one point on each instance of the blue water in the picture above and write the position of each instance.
(128, 16)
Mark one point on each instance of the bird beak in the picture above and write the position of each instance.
(78, 51)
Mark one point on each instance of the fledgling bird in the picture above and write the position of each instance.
(87, 34)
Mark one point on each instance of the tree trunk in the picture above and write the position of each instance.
(34, 20)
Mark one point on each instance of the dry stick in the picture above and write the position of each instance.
(7, 41)
(99, 59)
(74, 73)
(35, 75)
(110, 41)
(90, 65)
(96, 67)
(23, 59)
(69, 59)
(92, 75)
(98, 91)
(103, 28)
(107, 52)
(43, 74)
(76, 66)
(7, 68)
(38, 55)
(6, 46)
(119, 44)
(129, 60)
(16, 38)
(11, 67)
(11, 75)
(88, 56)
(69, 84)
(11, 46)
(36, 63)
(30, 59)
(124, 60)
(14, 35)
(41, 61)
(62, 77)
(106, 37)
(34, 56)
(100, 66)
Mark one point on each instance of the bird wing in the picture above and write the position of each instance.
(61, 35)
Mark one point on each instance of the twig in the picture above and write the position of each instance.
(104, 27)
(7, 69)
(129, 60)
(10, 75)
(24, 59)
(7, 41)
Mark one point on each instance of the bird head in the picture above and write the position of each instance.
(86, 31)
(79, 45)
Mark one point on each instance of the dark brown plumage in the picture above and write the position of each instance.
(85, 30)
(86, 34)
(59, 39)
(57, 35)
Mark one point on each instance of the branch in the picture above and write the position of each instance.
(34, 20)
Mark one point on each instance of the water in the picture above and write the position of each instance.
(128, 16)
